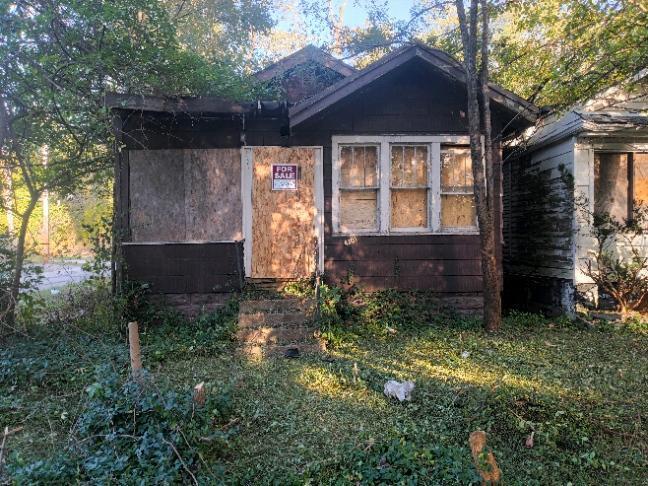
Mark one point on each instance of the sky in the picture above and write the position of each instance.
(355, 14)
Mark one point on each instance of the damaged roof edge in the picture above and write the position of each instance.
(439, 59)
(189, 105)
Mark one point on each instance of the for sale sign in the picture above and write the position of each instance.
(284, 177)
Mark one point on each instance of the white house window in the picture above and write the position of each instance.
(402, 184)
(457, 197)
(359, 188)
(409, 186)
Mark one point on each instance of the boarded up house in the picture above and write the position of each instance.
(595, 154)
(365, 175)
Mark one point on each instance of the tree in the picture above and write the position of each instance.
(479, 125)
(574, 49)
(57, 60)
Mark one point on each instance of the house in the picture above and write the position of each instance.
(363, 175)
(595, 155)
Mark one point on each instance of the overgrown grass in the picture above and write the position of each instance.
(324, 419)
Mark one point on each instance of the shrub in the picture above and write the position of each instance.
(128, 432)
(619, 264)
(402, 461)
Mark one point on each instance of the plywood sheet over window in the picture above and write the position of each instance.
(283, 222)
(157, 201)
(641, 178)
(457, 199)
(409, 208)
(409, 186)
(359, 187)
(185, 195)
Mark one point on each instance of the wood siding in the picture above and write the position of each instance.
(185, 268)
(539, 212)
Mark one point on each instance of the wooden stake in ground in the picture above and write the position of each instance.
(135, 354)
(200, 395)
(484, 460)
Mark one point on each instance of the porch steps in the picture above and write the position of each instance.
(276, 326)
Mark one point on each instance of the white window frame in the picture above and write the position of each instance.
(384, 142)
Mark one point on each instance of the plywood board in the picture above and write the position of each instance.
(409, 208)
(358, 210)
(157, 199)
(185, 195)
(283, 222)
(213, 194)
(641, 178)
(458, 211)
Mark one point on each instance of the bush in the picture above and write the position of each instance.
(128, 432)
(401, 461)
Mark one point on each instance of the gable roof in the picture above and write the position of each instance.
(310, 53)
(441, 61)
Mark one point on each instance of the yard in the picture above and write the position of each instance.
(324, 419)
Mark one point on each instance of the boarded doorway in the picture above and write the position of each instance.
(283, 213)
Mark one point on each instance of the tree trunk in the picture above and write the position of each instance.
(492, 284)
(8, 198)
(20, 259)
(478, 125)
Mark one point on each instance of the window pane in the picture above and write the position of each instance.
(641, 178)
(409, 165)
(456, 170)
(359, 166)
(409, 208)
(358, 210)
(611, 185)
(458, 211)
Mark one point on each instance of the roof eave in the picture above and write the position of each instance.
(445, 63)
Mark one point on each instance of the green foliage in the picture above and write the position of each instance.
(619, 263)
(128, 432)
(346, 314)
(171, 336)
(31, 277)
(402, 461)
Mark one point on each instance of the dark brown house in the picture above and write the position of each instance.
(364, 174)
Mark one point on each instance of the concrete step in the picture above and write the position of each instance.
(278, 306)
(272, 335)
(280, 320)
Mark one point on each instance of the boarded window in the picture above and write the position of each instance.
(185, 195)
(409, 186)
(457, 198)
(359, 187)
(640, 178)
(611, 185)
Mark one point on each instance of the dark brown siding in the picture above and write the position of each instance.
(413, 100)
(186, 268)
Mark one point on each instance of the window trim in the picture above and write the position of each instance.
(384, 142)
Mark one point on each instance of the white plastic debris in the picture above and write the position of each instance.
(401, 391)
(465, 354)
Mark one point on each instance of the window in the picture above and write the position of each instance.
(359, 188)
(457, 198)
(409, 186)
(402, 184)
(620, 182)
